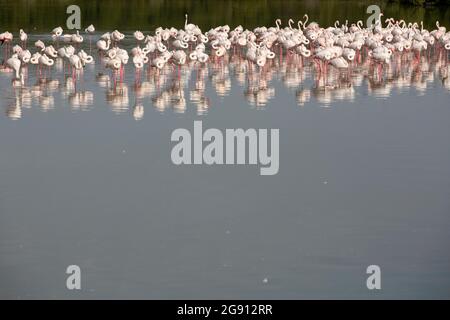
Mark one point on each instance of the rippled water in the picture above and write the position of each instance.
(86, 178)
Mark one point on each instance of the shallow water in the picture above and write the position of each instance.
(86, 178)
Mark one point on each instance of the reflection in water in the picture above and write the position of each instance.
(303, 96)
(117, 98)
(138, 112)
(197, 95)
(14, 111)
(81, 100)
(170, 88)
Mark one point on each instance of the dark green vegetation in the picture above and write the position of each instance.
(129, 15)
(424, 2)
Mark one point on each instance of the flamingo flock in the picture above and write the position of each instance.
(337, 46)
(342, 47)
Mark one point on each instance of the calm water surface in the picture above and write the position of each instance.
(86, 179)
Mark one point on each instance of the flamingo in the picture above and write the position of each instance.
(190, 26)
(40, 45)
(199, 54)
(76, 38)
(103, 45)
(45, 62)
(25, 56)
(23, 38)
(6, 38)
(139, 36)
(179, 58)
(90, 30)
(65, 53)
(117, 36)
(139, 59)
(50, 51)
(115, 65)
(56, 33)
(78, 61)
(85, 58)
(15, 63)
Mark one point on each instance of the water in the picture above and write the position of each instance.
(86, 178)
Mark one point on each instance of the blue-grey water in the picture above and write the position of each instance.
(86, 178)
